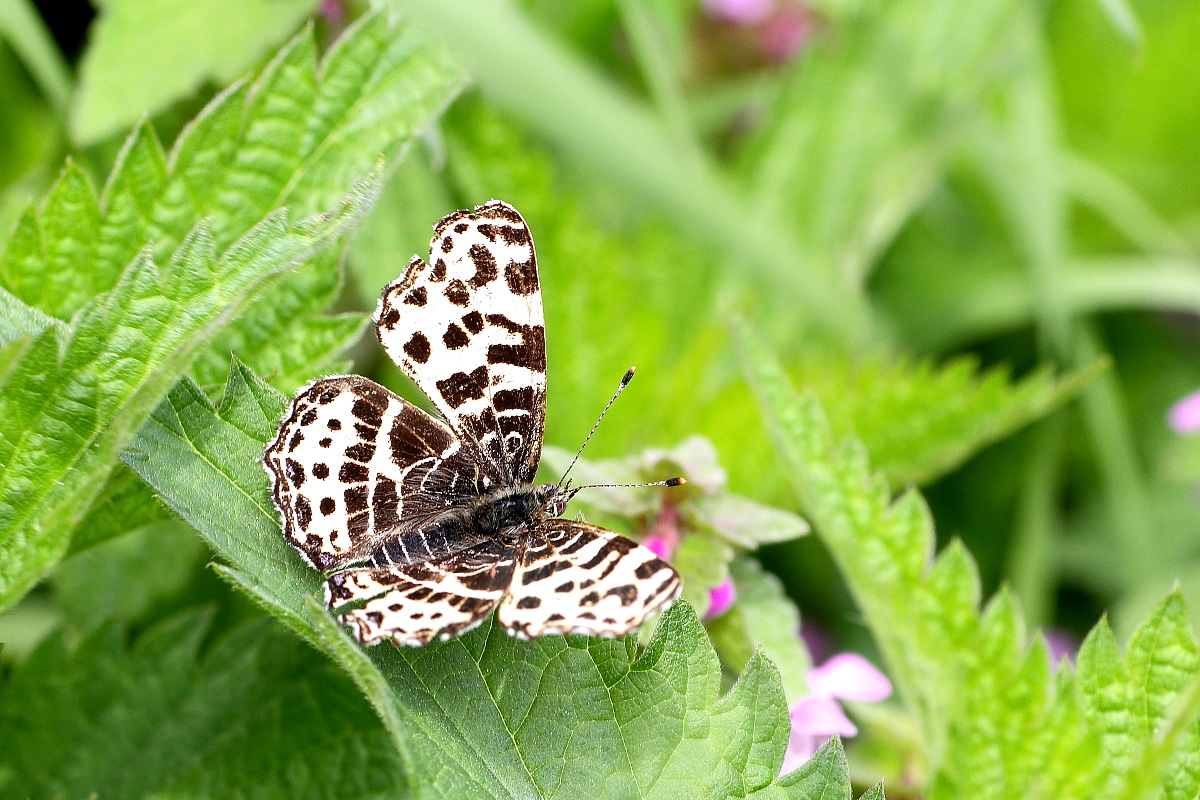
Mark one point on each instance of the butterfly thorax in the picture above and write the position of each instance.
(501, 513)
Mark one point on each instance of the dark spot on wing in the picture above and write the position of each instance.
(528, 602)
(390, 318)
(455, 338)
(447, 244)
(627, 593)
(645, 570)
(309, 417)
(356, 499)
(294, 472)
(361, 452)
(509, 399)
(417, 348)
(439, 271)
(590, 599)
(417, 297)
(320, 471)
(386, 504)
(334, 424)
(328, 506)
(296, 440)
(367, 413)
(461, 387)
(485, 266)
(530, 352)
(566, 587)
(521, 277)
(555, 618)
(325, 442)
(461, 227)
(303, 512)
(456, 292)
(537, 574)
(473, 321)
(353, 473)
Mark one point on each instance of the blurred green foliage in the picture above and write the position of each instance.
(971, 230)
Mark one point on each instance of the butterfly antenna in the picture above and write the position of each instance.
(667, 482)
(624, 382)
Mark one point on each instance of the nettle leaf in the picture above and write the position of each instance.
(70, 402)
(297, 136)
(254, 714)
(144, 54)
(484, 715)
(994, 718)
(919, 420)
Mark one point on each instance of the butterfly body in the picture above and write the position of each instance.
(428, 525)
(496, 514)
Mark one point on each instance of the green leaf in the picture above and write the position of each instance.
(484, 715)
(145, 54)
(921, 420)
(742, 521)
(127, 577)
(298, 136)
(70, 403)
(254, 714)
(1146, 705)
(993, 720)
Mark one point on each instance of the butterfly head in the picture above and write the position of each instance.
(553, 499)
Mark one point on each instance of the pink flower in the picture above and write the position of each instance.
(663, 537)
(740, 12)
(786, 32)
(1062, 645)
(817, 717)
(1184, 416)
(720, 599)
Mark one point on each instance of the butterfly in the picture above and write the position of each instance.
(428, 525)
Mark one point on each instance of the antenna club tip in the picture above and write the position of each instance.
(675, 481)
(628, 375)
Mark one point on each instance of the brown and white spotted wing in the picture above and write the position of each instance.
(415, 603)
(355, 466)
(467, 328)
(579, 578)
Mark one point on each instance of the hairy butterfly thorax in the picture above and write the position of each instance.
(429, 524)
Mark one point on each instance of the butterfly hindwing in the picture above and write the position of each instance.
(573, 577)
(467, 327)
(416, 603)
(354, 465)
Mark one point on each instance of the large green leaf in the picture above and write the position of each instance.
(484, 715)
(144, 54)
(994, 720)
(255, 714)
(71, 401)
(298, 136)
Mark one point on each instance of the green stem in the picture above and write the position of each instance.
(1033, 553)
(25, 31)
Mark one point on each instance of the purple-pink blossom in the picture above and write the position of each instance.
(1184, 416)
(818, 716)
(720, 599)
(741, 12)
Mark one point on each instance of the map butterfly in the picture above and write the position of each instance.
(425, 525)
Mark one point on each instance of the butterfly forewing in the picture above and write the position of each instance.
(354, 465)
(573, 577)
(467, 328)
